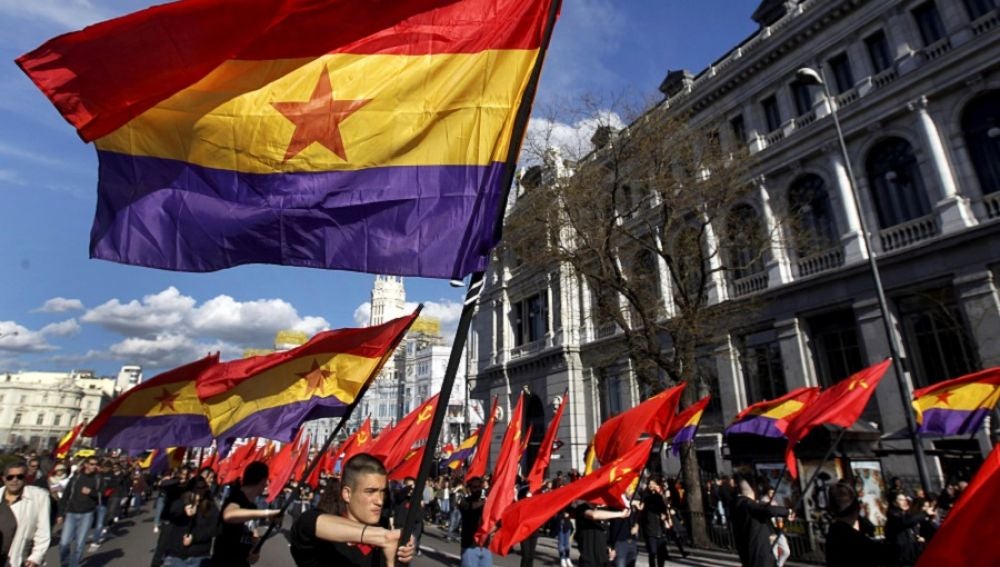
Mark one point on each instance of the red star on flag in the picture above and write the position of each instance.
(318, 119)
(315, 377)
(167, 400)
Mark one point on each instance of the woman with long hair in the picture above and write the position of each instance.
(193, 521)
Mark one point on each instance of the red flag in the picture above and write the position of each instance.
(211, 462)
(237, 461)
(359, 441)
(620, 433)
(504, 475)
(284, 464)
(409, 467)
(606, 485)
(545, 451)
(963, 539)
(66, 443)
(840, 404)
(325, 465)
(477, 468)
(393, 445)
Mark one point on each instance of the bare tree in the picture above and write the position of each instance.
(658, 219)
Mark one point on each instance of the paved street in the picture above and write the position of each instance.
(133, 541)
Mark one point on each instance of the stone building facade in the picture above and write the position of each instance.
(916, 84)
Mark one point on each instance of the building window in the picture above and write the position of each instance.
(979, 8)
(772, 117)
(24, 399)
(745, 242)
(938, 341)
(17, 419)
(811, 215)
(611, 394)
(530, 319)
(878, 51)
(40, 419)
(843, 78)
(763, 375)
(57, 420)
(738, 128)
(929, 21)
(896, 184)
(803, 96)
(836, 347)
(981, 127)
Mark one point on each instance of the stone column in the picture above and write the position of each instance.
(718, 291)
(732, 393)
(854, 248)
(779, 268)
(586, 317)
(549, 311)
(954, 212)
(795, 357)
(663, 273)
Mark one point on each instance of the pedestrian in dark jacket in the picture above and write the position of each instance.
(76, 512)
(194, 520)
(902, 530)
(846, 543)
(752, 527)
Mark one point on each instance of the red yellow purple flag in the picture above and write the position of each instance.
(770, 418)
(161, 412)
(840, 404)
(66, 442)
(346, 134)
(957, 406)
(272, 395)
(685, 425)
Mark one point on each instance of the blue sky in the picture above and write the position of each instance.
(60, 310)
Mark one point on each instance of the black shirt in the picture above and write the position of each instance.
(653, 507)
(202, 526)
(310, 551)
(472, 516)
(591, 538)
(235, 541)
(847, 547)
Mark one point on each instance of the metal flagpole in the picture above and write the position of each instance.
(326, 444)
(476, 281)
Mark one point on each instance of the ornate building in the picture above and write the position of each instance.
(917, 88)
(37, 408)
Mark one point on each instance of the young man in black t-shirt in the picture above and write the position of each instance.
(236, 540)
(345, 529)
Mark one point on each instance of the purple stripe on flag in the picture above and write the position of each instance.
(758, 425)
(431, 221)
(281, 422)
(133, 433)
(946, 422)
(683, 436)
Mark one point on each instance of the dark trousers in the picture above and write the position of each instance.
(657, 551)
(528, 550)
(672, 534)
(626, 553)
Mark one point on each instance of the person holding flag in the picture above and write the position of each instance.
(345, 529)
(235, 542)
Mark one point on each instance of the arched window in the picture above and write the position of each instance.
(896, 184)
(812, 215)
(981, 126)
(745, 242)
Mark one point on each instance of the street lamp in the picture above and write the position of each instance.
(807, 76)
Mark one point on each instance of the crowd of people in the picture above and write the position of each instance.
(357, 517)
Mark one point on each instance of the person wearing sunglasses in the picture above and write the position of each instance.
(30, 506)
(76, 512)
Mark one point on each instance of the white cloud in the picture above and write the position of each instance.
(18, 338)
(65, 328)
(60, 305)
(571, 139)
(170, 313)
(166, 350)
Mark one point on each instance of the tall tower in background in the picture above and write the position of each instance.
(388, 299)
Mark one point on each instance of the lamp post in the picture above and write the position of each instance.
(808, 76)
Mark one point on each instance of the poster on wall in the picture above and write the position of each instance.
(787, 494)
(817, 497)
(870, 484)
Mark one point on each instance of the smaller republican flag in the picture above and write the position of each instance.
(965, 535)
(66, 443)
(161, 412)
(840, 404)
(686, 424)
(605, 485)
(464, 450)
(958, 406)
(769, 418)
(171, 458)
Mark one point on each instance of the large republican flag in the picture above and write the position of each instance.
(161, 412)
(502, 489)
(272, 395)
(606, 485)
(965, 535)
(770, 418)
(958, 406)
(364, 135)
(841, 405)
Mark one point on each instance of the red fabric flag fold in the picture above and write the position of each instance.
(964, 536)
(619, 434)
(606, 485)
(393, 445)
(840, 404)
(501, 493)
(545, 451)
(477, 468)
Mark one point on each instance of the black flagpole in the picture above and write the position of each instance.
(329, 439)
(476, 281)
